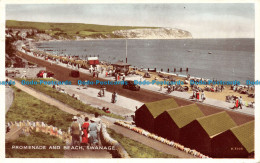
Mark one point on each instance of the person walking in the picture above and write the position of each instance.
(236, 104)
(97, 120)
(160, 88)
(93, 130)
(113, 97)
(197, 96)
(193, 94)
(75, 131)
(202, 96)
(222, 87)
(103, 88)
(84, 129)
(113, 100)
(240, 101)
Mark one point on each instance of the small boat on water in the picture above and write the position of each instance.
(189, 50)
(209, 52)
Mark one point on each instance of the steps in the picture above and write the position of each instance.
(13, 134)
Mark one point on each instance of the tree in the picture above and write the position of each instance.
(9, 48)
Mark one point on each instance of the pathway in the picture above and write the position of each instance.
(123, 106)
(9, 97)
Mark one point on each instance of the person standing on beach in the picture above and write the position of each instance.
(160, 87)
(202, 96)
(236, 104)
(197, 96)
(240, 102)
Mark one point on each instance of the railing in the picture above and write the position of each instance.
(161, 139)
(120, 152)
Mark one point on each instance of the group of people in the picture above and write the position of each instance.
(238, 103)
(196, 94)
(85, 131)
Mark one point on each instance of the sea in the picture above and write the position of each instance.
(215, 59)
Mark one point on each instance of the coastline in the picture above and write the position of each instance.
(95, 39)
(166, 75)
(171, 73)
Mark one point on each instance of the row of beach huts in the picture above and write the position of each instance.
(215, 135)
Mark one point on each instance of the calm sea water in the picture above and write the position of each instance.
(230, 59)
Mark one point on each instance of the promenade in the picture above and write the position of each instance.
(148, 93)
(155, 88)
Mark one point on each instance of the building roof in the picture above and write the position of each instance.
(120, 63)
(216, 123)
(185, 114)
(158, 107)
(245, 134)
(92, 58)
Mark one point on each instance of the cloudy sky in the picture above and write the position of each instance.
(235, 20)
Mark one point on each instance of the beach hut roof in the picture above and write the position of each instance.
(245, 134)
(158, 107)
(120, 63)
(92, 58)
(185, 114)
(216, 123)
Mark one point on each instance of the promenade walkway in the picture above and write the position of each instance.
(9, 97)
(155, 88)
(123, 106)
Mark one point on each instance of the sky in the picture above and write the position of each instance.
(212, 20)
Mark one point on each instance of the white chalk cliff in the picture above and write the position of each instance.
(157, 33)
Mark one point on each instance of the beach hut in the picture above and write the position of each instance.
(146, 114)
(237, 142)
(198, 133)
(93, 61)
(120, 67)
(169, 123)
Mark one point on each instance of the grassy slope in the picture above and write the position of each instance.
(136, 149)
(35, 139)
(26, 107)
(70, 28)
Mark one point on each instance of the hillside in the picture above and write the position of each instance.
(84, 31)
